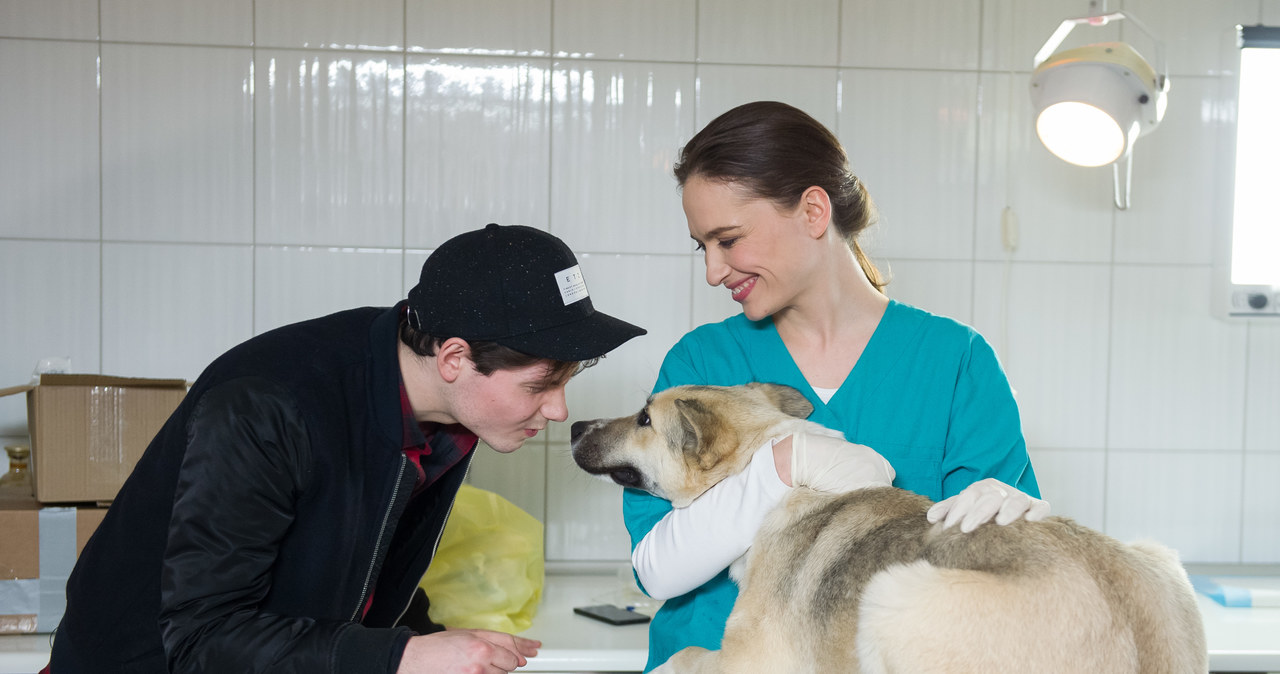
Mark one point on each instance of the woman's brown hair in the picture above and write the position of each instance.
(775, 151)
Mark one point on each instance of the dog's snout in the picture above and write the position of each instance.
(577, 429)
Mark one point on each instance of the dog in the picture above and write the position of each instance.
(862, 582)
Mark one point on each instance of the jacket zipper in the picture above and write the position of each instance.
(377, 545)
(439, 535)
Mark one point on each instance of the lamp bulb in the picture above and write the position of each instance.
(1081, 134)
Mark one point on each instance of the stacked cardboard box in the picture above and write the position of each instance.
(87, 432)
(41, 545)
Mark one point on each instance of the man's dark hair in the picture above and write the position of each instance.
(491, 356)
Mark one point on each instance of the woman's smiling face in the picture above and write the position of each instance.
(749, 246)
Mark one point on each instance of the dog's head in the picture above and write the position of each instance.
(686, 438)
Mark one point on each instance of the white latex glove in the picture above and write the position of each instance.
(984, 499)
(835, 465)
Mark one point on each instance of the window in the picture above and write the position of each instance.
(1254, 278)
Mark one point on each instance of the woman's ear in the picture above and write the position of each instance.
(452, 356)
(815, 208)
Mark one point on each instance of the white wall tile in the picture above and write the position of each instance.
(653, 30)
(1270, 12)
(1176, 374)
(616, 132)
(814, 90)
(49, 140)
(228, 22)
(584, 513)
(330, 128)
(1074, 483)
(1199, 38)
(413, 261)
(1148, 498)
(917, 157)
(1178, 180)
(924, 34)
(330, 24)
(650, 291)
(468, 27)
(1062, 212)
(801, 32)
(59, 19)
(477, 146)
(1262, 424)
(295, 283)
(1261, 536)
(169, 310)
(177, 158)
(1055, 352)
(519, 476)
(50, 294)
(943, 287)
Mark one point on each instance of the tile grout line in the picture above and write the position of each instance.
(102, 258)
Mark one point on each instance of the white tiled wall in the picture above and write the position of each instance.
(177, 176)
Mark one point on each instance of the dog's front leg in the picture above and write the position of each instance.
(691, 660)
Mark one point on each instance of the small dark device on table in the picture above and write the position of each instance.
(611, 614)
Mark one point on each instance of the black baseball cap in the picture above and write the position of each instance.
(517, 286)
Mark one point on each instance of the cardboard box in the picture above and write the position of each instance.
(40, 548)
(88, 431)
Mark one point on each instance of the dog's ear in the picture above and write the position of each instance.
(790, 401)
(700, 427)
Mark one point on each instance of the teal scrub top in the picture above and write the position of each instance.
(928, 394)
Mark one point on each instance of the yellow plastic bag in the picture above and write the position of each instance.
(488, 571)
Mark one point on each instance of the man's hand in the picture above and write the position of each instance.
(984, 499)
(466, 652)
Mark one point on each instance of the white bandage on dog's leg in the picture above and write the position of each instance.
(690, 545)
(832, 464)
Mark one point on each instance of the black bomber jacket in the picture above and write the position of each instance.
(270, 505)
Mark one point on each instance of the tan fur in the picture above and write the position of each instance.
(861, 582)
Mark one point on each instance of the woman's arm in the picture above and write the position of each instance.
(689, 546)
(664, 541)
(986, 469)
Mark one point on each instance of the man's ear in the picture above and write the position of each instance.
(452, 356)
(815, 207)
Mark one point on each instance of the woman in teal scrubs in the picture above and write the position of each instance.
(771, 202)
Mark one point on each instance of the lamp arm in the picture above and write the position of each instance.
(1157, 46)
(1064, 29)
(1122, 193)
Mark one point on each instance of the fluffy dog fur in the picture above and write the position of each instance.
(861, 582)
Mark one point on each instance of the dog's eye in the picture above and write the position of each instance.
(643, 419)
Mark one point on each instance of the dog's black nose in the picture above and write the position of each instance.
(577, 429)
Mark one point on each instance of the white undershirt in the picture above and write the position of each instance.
(824, 393)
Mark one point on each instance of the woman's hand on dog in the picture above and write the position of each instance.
(981, 501)
(829, 464)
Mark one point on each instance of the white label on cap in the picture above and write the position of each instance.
(572, 286)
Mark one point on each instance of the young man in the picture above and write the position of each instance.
(281, 519)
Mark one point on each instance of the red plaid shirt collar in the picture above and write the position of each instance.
(432, 448)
